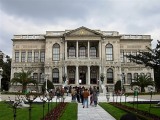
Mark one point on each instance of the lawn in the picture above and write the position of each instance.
(114, 111)
(145, 107)
(70, 112)
(6, 112)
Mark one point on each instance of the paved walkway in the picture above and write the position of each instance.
(93, 113)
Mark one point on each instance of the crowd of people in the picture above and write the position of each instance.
(81, 95)
(78, 94)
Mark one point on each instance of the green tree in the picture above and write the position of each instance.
(6, 66)
(143, 81)
(118, 86)
(49, 85)
(150, 59)
(23, 78)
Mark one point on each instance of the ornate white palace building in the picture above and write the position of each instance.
(80, 56)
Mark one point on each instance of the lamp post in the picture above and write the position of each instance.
(1, 71)
(151, 90)
(14, 106)
(122, 80)
(43, 101)
(30, 98)
(46, 78)
(136, 93)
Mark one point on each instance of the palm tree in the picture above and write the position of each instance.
(23, 78)
(143, 81)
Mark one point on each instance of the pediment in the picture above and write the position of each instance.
(83, 31)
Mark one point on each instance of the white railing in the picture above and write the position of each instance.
(136, 37)
(28, 36)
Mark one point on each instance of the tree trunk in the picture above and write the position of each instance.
(24, 88)
(142, 89)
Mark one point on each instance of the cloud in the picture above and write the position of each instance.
(39, 16)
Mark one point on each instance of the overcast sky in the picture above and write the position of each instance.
(39, 16)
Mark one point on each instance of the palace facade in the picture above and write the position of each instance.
(81, 56)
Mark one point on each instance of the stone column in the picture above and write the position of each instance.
(100, 87)
(65, 52)
(26, 56)
(88, 50)
(33, 55)
(20, 54)
(100, 47)
(89, 75)
(39, 56)
(77, 49)
(100, 70)
(49, 69)
(77, 76)
(65, 69)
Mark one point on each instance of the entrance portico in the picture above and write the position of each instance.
(83, 75)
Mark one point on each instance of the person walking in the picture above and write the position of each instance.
(85, 98)
(81, 95)
(95, 96)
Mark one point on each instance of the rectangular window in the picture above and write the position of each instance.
(29, 58)
(56, 54)
(41, 78)
(82, 52)
(23, 56)
(128, 59)
(122, 57)
(17, 56)
(72, 53)
(35, 76)
(109, 53)
(42, 56)
(55, 76)
(36, 56)
(129, 78)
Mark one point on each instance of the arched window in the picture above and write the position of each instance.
(109, 75)
(72, 52)
(93, 52)
(93, 76)
(129, 78)
(148, 74)
(56, 52)
(16, 74)
(55, 76)
(142, 73)
(135, 76)
(82, 52)
(71, 76)
(109, 52)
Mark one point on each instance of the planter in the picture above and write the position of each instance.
(56, 113)
(144, 115)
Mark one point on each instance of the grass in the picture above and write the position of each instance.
(6, 112)
(70, 112)
(145, 107)
(114, 111)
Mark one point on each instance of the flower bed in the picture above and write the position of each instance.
(140, 113)
(56, 113)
